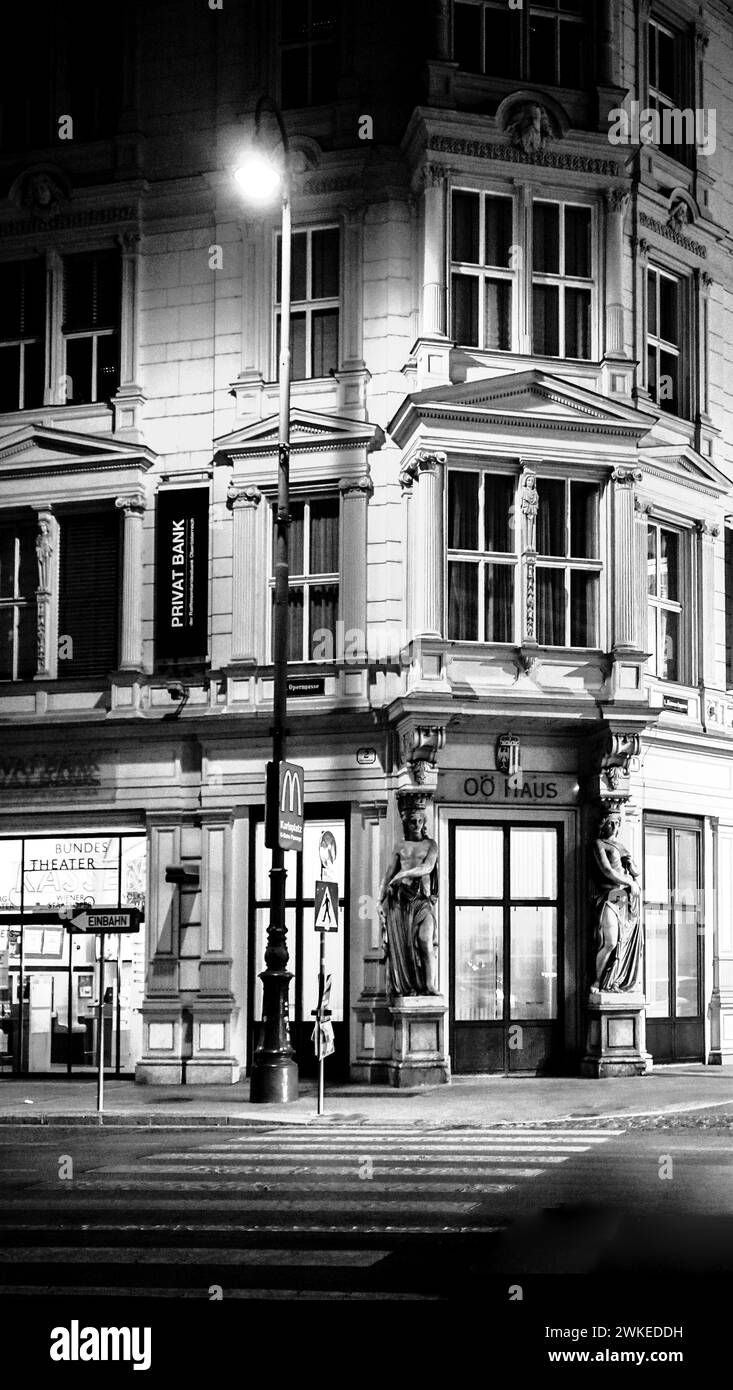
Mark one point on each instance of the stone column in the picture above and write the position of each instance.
(615, 336)
(47, 555)
(606, 51)
(432, 318)
(129, 400)
(641, 263)
(441, 30)
(352, 374)
(248, 578)
(707, 657)
(423, 477)
(133, 509)
(355, 493)
(627, 579)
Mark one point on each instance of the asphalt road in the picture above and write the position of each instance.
(356, 1212)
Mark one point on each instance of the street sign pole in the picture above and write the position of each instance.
(321, 991)
(100, 1027)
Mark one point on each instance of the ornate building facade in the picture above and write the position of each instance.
(511, 555)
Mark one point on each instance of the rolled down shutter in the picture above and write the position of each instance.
(88, 594)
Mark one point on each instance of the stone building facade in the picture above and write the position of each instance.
(511, 547)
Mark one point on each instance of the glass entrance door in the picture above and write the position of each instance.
(505, 907)
(674, 935)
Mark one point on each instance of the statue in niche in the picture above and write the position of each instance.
(407, 903)
(615, 897)
(529, 129)
(44, 555)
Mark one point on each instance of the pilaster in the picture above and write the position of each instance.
(355, 493)
(248, 572)
(133, 510)
(47, 556)
(127, 404)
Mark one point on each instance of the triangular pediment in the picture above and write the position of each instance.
(684, 466)
(528, 400)
(310, 431)
(37, 449)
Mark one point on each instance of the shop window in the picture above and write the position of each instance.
(673, 939)
(315, 302)
(308, 52)
(18, 614)
(88, 594)
(482, 277)
(668, 360)
(313, 577)
(22, 334)
(561, 276)
(91, 326)
(546, 41)
(668, 586)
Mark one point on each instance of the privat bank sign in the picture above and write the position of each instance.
(499, 789)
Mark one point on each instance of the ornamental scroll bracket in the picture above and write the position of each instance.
(419, 748)
(616, 764)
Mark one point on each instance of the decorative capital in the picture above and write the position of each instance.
(249, 496)
(134, 505)
(423, 462)
(128, 242)
(627, 477)
(708, 530)
(363, 485)
(706, 279)
(617, 199)
(433, 176)
(643, 509)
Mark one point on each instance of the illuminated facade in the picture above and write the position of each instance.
(511, 500)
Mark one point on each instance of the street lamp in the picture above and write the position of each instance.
(274, 1074)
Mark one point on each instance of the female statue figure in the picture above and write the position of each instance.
(407, 898)
(615, 896)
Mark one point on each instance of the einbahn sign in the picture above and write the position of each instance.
(104, 919)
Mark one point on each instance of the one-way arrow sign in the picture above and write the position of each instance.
(105, 919)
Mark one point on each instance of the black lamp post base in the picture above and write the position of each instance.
(273, 1079)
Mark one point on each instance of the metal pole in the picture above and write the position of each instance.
(321, 992)
(274, 1075)
(100, 1028)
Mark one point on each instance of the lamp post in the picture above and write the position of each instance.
(274, 1074)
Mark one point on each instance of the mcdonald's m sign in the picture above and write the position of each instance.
(284, 806)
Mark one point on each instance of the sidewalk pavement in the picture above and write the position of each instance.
(678, 1095)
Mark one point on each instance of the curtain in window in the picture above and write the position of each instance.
(462, 510)
(577, 241)
(462, 601)
(89, 592)
(583, 609)
(584, 520)
(325, 263)
(498, 315)
(465, 227)
(550, 607)
(324, 341)
(323, 610)
(577, 323)
(465, 309)
(324, 536)
(498, 223)
(295, 623)
(551, 517)
(296, 560)
(546, 320)
(499, 603)
(498, 512)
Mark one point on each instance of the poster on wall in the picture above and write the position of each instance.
(182, 574)
(52, 872)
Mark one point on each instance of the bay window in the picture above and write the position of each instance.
(313, 599)
(482, 563)
(568, 563)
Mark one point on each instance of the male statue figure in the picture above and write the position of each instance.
(407, 898)
(615, 895)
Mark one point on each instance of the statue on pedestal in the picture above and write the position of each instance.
(615, 897)
(407, 903)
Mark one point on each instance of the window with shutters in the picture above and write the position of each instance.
(313, 576)
(22, 333)
(18, 584)
(91, 326)
(315, 303)
(88, 594)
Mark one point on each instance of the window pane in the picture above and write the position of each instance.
(550, 608)
(499, 603)
(324, 536)
(572, 40)
(78, 292)
(651, 293)
(584, 520)
(89, 592)
(501, 54)
(323, 602)
(467, 37)
(9, 378)
(656, 867)
(297, 346)
(668, 310)
(27, 658)
(667, 394)
(687, 866)
(106, 290)
(293, 78)
(498, 512)
(325, 344)
(295, 623)
(651, 566)
(670, 645)
(296, 560)
(465, 310)
(669, 564)
(108, 366)
(551, 534)
(11, 295)
(545, 320)
(498, 221)
(462, 601)
(533, 863)
(7, 643)
(325, 263)
(479, 963)
(8, 562)
(479, 862)
(298, 267)
(533, 962)
(583, 609)
(78, 370)
(687, 1003)
(498, 315)
(542, 39)
(651, 640)
(656, 950)
(33, 374)
(546, 238)
(324, 72)
(262, 870)
(577, 323)
(666, 67)
(465, 227)
(577, 241)
(463, 510)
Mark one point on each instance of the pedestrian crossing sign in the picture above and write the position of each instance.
(326, 906)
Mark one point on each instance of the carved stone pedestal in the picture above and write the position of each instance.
(419, 1054)
(616, 1038)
